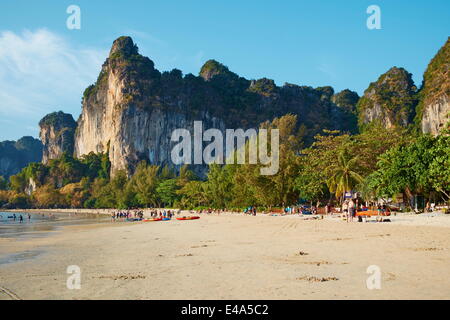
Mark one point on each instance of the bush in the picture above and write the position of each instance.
(20, 201)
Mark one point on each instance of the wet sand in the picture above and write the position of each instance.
(233, 257)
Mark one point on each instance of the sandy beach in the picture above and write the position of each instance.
(234, 256)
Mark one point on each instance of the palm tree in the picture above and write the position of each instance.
(344, 178)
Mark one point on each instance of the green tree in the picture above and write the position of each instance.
(96, 165)
(439, 168)
(344, 177)
(145, 181)
(422, 167)
(65, 170)
(317, 163)
(279, 188)
(193, 194)
(219, 186)
(167, 192)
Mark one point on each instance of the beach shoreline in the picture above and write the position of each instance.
(230, 256)
(436, 218)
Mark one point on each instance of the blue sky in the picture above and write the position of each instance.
(45, 67)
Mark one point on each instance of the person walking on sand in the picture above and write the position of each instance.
(351, 210)
(20, 218)
(345, 209)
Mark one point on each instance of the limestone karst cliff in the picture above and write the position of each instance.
(434, 106)
(346, 99)
(57, 132)
(391, 100)
(132, 109)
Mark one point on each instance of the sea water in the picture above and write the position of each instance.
(40, 224)
(37, 226)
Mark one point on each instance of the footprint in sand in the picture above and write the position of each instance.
(185, 255)
(317, 279)
(427, 249)
(379, 235)
(390, 276)
(317, 263)
(123, 277)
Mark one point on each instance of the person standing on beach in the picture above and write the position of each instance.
(345, 209)
(351, 210)
(20, 218)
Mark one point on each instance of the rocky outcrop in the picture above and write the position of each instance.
(346, 99)
(126, 115)
(436, 115)
(132, 109)
(434, 106)
(57, 135)
(390, 101)
(15, 155)
(212, 68)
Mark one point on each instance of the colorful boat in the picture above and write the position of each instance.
(189, 218)
(152, 220)
(373, 213)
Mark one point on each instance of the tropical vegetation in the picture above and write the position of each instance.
(378, 163)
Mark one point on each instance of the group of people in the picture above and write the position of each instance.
(349, 209)
(127, 214)
(20, 218)
(250, 210)
(123, 215)
(162, 214)
(211, 210)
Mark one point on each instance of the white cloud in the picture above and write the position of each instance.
(41, 72)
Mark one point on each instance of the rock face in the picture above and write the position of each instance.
(126, 115)
(132, 109)
(391, 100)
(347, 100)
(212, 68)
(15, 155)
(436, 115)
(57, 135)
(434, 106)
